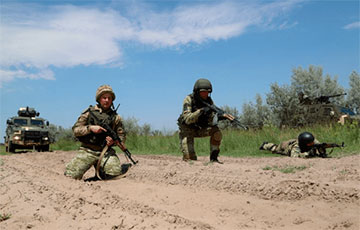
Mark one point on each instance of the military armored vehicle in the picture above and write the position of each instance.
(27, 131)
(322, 110)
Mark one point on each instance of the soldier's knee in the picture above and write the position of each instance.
(77, 167)
(111, 165)
(216, 138)
(75, 174)
(113, 171)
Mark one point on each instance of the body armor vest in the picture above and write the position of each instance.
(203, 120)
(102, 117)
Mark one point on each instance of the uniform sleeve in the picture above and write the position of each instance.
(119, 128)
(296, 152)
(188, 116)
(81, 127)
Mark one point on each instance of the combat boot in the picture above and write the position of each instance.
(214, 156)
(262, 146)
(186, 157)
(193, 157)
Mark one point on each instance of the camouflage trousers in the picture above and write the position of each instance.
(82, 162)
(284, 148)
(187, 135)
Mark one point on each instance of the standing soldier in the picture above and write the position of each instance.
(92, 137)
(301, 147)
(197, 120)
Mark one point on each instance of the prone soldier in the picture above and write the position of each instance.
(302, 147)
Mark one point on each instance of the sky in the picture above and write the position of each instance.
(55, 54)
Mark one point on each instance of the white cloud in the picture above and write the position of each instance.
(66, 36)
(353, 25)
(9, 75)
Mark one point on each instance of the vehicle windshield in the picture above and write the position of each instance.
(20, 121)
(37, 122)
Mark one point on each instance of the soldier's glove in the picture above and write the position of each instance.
(322, 152)
(312, 152)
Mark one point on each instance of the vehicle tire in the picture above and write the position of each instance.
(45, 148)
(11, 147)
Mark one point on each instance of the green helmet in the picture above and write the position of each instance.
(202, 84)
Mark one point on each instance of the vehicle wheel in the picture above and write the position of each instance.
(11, 147)
(45, 148)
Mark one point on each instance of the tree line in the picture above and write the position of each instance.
(281, 106)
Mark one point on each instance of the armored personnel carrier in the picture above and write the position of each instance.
(322, 110)
(27, 131)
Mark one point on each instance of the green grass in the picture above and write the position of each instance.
(235, 143)
(2, 150)
(286, 168)
(4, 216)
(65, 145)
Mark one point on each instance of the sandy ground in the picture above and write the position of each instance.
(163, 192)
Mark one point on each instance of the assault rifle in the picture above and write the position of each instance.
(111, 133)
(221, 112)
(321, 148)
(325, 99)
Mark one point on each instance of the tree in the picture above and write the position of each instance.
(353, 98)
(313, 84)
(309, 82)
(262, 112)
(225, 124)
(131, 126)
(146, 129)
(57, 133)
(255, 116)
(284, 104)
(248, 117)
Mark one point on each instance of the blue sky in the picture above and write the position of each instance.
(54, 54)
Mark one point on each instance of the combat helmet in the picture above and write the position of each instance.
(104, 89)
(202, 84)
(306, 141)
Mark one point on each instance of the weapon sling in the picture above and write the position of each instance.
(106, 147)
(99, 161)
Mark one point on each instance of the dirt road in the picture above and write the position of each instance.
(163, 192)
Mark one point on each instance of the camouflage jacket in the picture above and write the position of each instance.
(291, 147)
(192, 114)
(82, 126)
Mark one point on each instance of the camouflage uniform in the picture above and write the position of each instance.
(290, 148)
(92, 144)
(194, 123)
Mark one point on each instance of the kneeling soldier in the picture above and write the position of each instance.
(92, 137)
(197, 120)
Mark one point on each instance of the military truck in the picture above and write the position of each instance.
(322, 110)
(27, 131)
